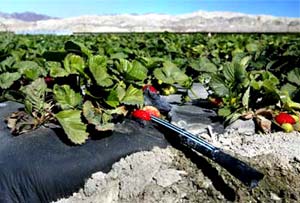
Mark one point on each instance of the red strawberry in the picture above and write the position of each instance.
(48, 79)
(141, 114)
(153, 111)
(284, 118)
(215, 101)
(150, 87)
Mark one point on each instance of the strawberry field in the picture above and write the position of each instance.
(73, 105)
(97, 80)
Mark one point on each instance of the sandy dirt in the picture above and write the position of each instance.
(172, 175)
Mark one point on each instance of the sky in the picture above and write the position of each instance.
(69, 8)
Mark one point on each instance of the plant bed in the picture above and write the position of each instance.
(43, 165)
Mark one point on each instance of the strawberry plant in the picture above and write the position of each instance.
(84, 81)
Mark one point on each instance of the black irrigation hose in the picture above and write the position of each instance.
(239, 169)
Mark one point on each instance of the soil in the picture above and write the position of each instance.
(181, 175)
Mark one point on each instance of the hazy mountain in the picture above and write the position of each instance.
(200, 21)
(25, 16)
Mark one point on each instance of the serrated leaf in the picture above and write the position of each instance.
(97, 66)
(218, 85)
(74, 64)
(124, 66)
(112, 99)
(98, 117)
(75, 129)
(245, 61)
(30, 69)
(35, 95)
(92, 115)
(291, 89)
(7, 79)
(56, 70)
(66, 97)
(77, 47)
(294, 76)
(170, 74)
(204, 65)
(137, 72)
(234, 72)
(133, 96)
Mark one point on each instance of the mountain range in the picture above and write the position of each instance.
(200, 21)
(25, 16)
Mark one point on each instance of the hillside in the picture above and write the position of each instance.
(200, 21)
(25, 16)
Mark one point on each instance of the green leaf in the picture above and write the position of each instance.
(269, 86)
(92, 114)
(97, 117)
(234, 72)
(291, 89)
(56, 70)
(224, 112)
(204, 65)
(30, 69)
(133, 96)
(70, 120)
(170, 74)
(294, 76)
(245, 61)
(256, 84)
(35, 95)
(232, 117)
(137, 72)
(245, 99)
(7, 79)
(119, 55)
(132, 70)
(218, 85)
(252, 47)
(77, 47)
(74, 64)
(124, 66)
(112, 99)
(97, 65)
(66, 97)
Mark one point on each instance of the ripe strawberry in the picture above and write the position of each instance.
(215, 101)
(287, 127)
(150, 87)
(282, 118)
(152, 111)
(49, 80)
(141, 114)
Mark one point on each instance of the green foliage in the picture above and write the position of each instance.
(75, 129)
(97, 117)
(171, 74)
(7, 79)
(35, 95)
(30, 69)
(97, 65)
(65, 97)
(88, 79)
